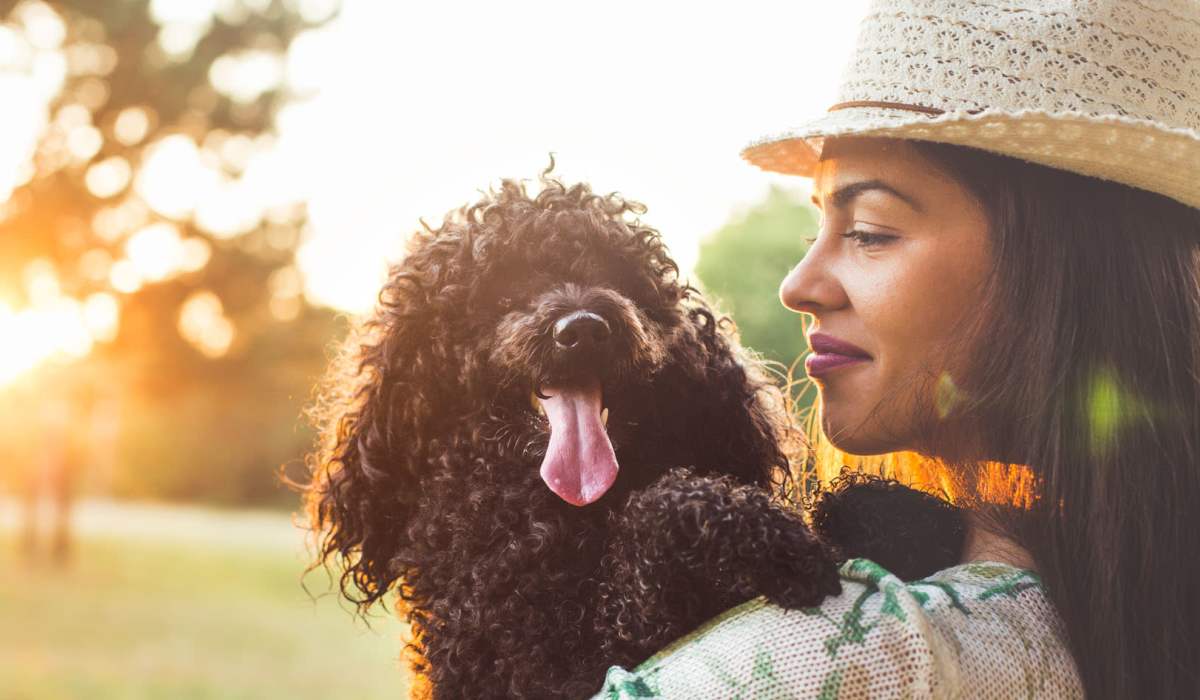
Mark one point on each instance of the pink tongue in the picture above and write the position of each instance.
(580, 464)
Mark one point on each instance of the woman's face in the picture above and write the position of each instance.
(899, 261)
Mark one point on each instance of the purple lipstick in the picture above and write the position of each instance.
(830, 353)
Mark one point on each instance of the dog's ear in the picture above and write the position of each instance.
(374, 414)
(744, 431)
(909, 532)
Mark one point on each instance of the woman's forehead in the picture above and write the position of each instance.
(865, 153)
(846, 160)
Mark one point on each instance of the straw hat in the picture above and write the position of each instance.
(1107, 88)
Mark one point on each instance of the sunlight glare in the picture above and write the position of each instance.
(24, 119)
(308, 60)
(178, 39)
(156, 251)
(243, 76)
(196, 253)
(90, 59)
(176, 12)
(84, 142)
(43, 27)
(111, 223)
(124, 277)
(101, 315)
(44, 333)
(377, 159)
(49, 71)
(173, 177)
(202, 322)
(232, 12)
(325, 261)
(18, 357)
(63, 324)
(72, 115)
(181, 25)
(287, 289)
(229, 209)
(132, 125)
(95, 264)
(109, 177)
(41, 282)
(14, 49)
(313, 11)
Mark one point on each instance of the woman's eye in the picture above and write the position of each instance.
(868, 240)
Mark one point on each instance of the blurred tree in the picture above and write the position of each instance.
(742, 264)
(145, 213)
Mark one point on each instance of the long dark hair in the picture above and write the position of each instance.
(1086, 374)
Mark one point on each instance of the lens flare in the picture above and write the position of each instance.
(36, 335)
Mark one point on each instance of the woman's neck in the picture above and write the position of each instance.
(983, 545)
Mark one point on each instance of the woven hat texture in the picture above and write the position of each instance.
(1106, 88)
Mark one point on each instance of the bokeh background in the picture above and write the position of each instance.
(197, 196)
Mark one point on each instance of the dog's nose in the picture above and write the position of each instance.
(581, 330)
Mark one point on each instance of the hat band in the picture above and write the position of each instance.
(932, 111)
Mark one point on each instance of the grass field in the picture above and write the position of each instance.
(184, 603)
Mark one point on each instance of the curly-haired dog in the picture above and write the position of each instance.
(559, 457)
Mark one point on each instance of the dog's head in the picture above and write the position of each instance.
(547, 333)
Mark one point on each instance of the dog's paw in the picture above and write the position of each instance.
(724, 541)
(803, 591)
(797, 570)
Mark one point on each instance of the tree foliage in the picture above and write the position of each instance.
(201, 411)
(743, 263)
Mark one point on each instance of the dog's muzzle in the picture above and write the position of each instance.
(581, 333)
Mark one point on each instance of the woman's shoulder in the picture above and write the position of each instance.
(965, 630)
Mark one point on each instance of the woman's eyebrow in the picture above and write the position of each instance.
(844, 195)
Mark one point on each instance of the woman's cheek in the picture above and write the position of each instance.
(893, 315)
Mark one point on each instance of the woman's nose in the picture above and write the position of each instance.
(811, 286)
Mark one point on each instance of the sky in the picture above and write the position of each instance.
(403, 112)
(416, 107)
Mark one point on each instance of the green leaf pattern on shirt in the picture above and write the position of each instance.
(757, 650)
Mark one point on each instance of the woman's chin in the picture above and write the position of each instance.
(854, 436)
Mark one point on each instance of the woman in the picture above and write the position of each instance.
(1004, 293)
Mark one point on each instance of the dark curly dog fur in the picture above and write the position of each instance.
(428, 479)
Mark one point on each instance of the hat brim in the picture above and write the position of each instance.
(1127, 150)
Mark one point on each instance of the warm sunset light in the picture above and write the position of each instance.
(174, 176)
(361, 205)
(108, 177)
(15, 358)
(25, 94)
(416, 149)
(202, 322)
(158, 252)
(194, 197)
(57, 330)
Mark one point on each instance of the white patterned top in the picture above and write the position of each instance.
(976, 630)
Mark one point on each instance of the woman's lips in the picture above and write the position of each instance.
(830, 353)
(819, 364)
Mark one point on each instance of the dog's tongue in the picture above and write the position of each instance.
(580, 464)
